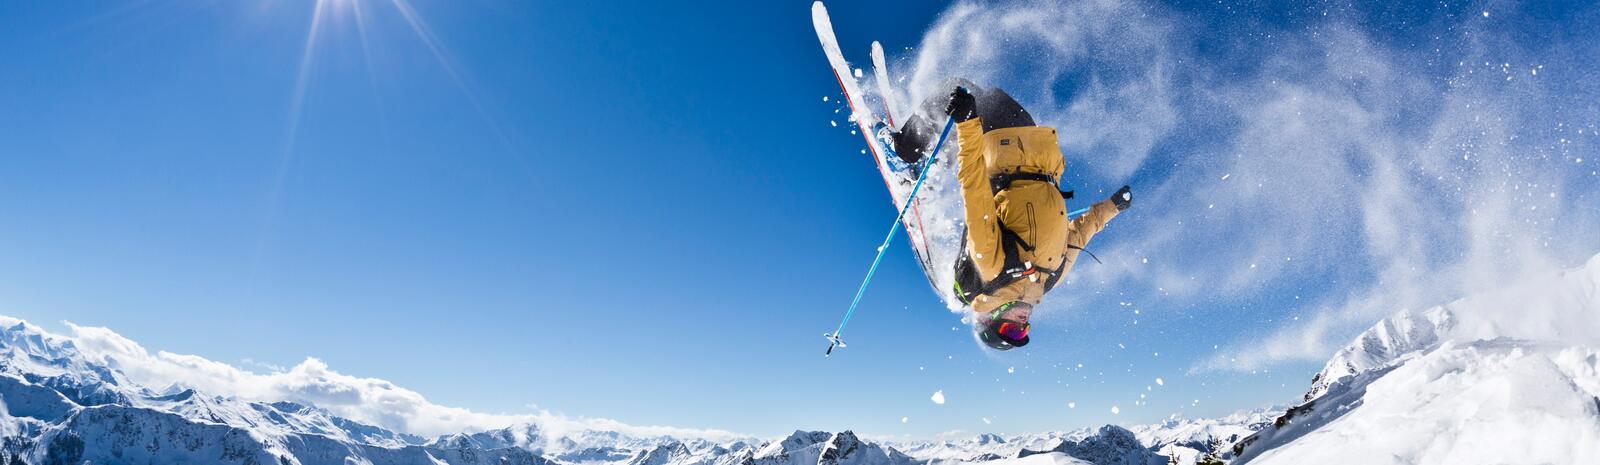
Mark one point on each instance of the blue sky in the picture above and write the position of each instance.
(639, 211)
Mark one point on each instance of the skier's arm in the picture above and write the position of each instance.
(1091, 222)
(983, 223)
(1083, 228)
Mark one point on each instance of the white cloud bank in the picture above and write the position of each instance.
(368, 400)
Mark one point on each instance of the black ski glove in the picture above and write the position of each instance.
(962, 106)
(1123, 198)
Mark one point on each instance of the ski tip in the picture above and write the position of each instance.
(823, 25)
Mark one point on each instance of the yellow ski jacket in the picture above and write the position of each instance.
(1046, 243)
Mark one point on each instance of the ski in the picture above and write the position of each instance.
(876, 133)
(867, 123)
(881, 70)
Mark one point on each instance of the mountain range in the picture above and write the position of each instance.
(1508, 376)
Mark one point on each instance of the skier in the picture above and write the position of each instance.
(1019, 242)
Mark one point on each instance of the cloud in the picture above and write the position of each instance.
(1383, 174)
(368, 400)
(1457, 191)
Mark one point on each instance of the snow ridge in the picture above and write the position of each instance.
(1509, 376)
(1388, 341)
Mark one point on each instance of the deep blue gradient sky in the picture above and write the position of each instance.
(639, 210)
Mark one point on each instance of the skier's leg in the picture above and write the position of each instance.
(998, 110)
(1084, 228)
(911, 143)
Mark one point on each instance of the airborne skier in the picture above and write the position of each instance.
(1019, 242)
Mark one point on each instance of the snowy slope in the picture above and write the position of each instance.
(1405, 334)
(1500, 401)
(1510, 376)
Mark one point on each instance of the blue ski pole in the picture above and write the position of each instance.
(833, 339)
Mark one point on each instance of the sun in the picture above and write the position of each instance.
(324, 14)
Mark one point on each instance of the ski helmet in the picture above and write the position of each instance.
(1000, 334)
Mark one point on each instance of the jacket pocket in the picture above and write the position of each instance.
(1006, 155)
(1035, 212)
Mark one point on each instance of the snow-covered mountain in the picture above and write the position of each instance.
(1111, 445)
(1188, 439)
(58, 405)
(1510, 376)
(1184, 438)
(988, 446)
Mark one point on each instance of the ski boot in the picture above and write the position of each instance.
(885, 137)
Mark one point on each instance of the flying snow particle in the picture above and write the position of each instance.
(1072, 405)
(858, 70)
(1120, 346)
(1143, 260)
(905, 419)
(1224, 177)
(1115, 410)
(1159, 382)
(834, 123)
(1011, 370)
(938, 397)
(986, 421)
(824, 98)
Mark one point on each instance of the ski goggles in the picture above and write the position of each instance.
(1013, 331)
